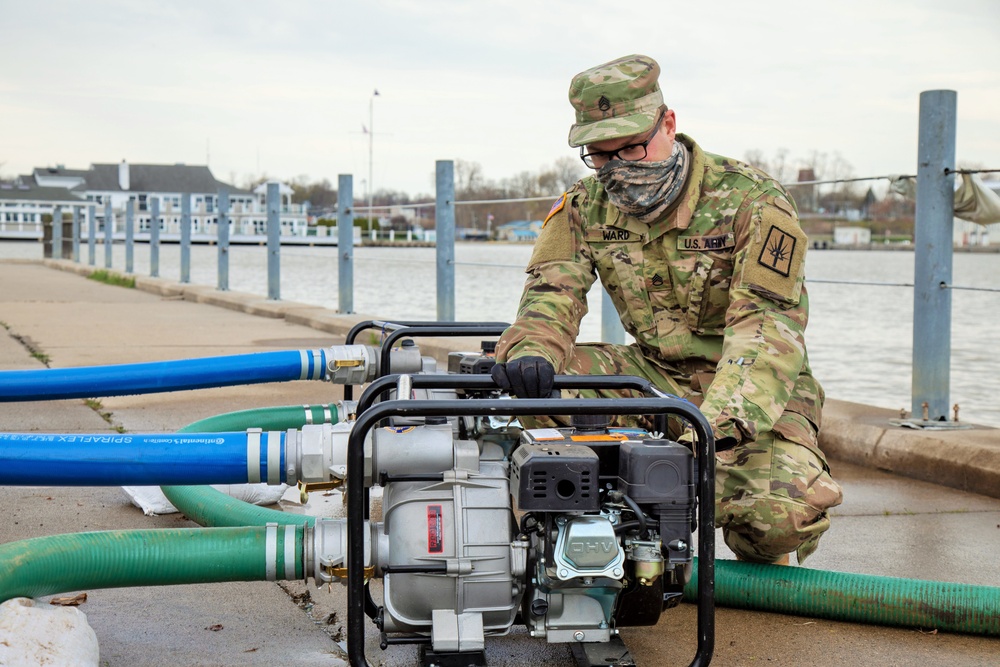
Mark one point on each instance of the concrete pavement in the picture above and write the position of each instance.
(888, 525)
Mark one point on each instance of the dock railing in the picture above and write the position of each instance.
(933, 246)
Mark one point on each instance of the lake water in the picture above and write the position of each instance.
(859, 337)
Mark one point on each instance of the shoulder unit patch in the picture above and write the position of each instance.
(773, 265)
(778, 251)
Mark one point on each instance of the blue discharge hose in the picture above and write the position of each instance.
(31, 459)
(161, 376)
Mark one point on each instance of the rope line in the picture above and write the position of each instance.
(971, 289)
(520, 200)
(885, 284)
(870, 283)
(857, 282)
(972, 171)
(890, 177)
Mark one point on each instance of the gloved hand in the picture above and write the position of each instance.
(525, 377)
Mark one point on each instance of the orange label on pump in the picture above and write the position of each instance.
(610, 437)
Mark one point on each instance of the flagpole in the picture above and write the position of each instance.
(371, 152)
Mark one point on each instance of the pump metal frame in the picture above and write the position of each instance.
(398, 329)
(659, 404)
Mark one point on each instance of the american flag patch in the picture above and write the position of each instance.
(558, 206)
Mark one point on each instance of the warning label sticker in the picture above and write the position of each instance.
(435, 530)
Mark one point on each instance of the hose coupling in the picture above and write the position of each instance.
(325, 548)
(317, 453)
(351, 364)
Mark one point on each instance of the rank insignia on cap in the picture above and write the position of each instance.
(558, 206)
(778, 250)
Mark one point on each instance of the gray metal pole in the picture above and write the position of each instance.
(345, 242)
(612, 330)
(933, 240)
(57, 234)
(76, 233)
(222, 231)
(273, 242)
(129, 236)
(154, 237)
(444, 222)
(109, 228)
(186, 237)
(91, 234)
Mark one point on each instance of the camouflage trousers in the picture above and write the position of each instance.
(772, 494)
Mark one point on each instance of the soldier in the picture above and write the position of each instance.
(702, 256)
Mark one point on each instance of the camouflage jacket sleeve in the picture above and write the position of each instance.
(763, 348)
(560, 273)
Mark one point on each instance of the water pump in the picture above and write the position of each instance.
(572, 532)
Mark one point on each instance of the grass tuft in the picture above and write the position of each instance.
(109, 278)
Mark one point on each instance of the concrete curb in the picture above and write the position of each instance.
(860, 434)
(962, 459)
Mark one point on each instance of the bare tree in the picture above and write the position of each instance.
(524, 184)
(548, 182)
(816, 161)
(779, 166)
(468, 177)
(568, 171)
(776, 167)
(755, 158)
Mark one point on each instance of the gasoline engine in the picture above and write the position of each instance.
(573, 532)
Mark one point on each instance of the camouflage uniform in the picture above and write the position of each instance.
(713, 294)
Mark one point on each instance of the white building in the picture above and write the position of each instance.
(22, 205)
(852, 235)
(166, 184)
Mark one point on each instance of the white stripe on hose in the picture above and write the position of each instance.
(304, 361)
(253, 455)
(274, 457)
(318, 356)
(289, 552)
(271, 551)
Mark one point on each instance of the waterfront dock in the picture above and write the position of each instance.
(936, 518)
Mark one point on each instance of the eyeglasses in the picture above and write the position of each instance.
(630, 153)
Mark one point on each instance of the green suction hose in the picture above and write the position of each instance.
(856, 598)
(269, 419)
(47, 565)
(122, 558)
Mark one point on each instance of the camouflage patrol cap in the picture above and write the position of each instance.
(617, 99)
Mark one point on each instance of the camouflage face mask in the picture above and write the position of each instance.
(645, 190)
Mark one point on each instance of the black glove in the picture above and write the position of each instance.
(525, 377)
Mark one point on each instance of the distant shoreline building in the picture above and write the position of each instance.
(48, 189)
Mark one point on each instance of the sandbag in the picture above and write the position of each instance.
(152, 501)
(31, 635)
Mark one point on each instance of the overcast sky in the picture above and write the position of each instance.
(284, 88)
